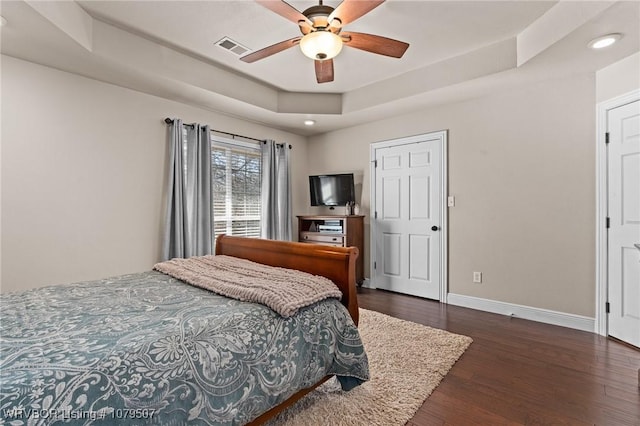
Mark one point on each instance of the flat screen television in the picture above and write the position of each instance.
(332, 190)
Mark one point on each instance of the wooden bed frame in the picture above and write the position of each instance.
(336, 263)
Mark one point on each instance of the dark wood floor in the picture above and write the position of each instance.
(521, 372)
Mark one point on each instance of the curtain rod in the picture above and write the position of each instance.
(170, 120)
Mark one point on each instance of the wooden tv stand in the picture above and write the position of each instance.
(335, 230)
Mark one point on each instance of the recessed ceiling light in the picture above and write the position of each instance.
(604, 41)
(309, 122)
(3, 21)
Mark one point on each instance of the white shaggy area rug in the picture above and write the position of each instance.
(407, 361)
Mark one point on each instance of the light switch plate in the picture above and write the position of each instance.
(451, 201)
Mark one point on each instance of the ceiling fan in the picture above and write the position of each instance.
(322, 36)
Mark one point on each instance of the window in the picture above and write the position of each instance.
(237, 172)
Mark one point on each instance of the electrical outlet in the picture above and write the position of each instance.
(477, 277)
(451, 201)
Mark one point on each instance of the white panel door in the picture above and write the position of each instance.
(407, 207)
(624, 213)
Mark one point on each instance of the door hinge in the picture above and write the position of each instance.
(606, 137)
(607, 307)
(375, 215)
(608, 224)
(375, 163)
(375, 265)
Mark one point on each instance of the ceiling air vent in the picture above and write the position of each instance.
(232, 46)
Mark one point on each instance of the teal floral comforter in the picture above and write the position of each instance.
(149, 349)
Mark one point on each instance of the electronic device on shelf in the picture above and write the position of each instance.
(329, 228)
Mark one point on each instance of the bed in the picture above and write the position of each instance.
(149, 348)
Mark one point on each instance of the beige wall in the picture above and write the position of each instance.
(83, 167)
(618, 78)
(83, 172)
(522, 169)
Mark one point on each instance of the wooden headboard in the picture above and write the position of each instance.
(336, 263)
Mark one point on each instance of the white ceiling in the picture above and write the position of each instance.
(435, 31)
(458, 50)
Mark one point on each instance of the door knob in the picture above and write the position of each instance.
(434, 228)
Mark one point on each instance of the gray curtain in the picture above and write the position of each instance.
(276, 217)
(189, 217)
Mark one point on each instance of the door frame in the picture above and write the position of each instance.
(441, 138)
(602, 195)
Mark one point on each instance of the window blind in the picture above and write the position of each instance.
(236, 169)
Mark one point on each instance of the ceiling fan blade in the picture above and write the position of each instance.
(324, 71)
(350, 10)
(375, 44)
(270, 50)
(285, 10)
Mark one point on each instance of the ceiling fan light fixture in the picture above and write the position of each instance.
(321, 45)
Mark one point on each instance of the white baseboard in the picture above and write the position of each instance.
(366, 283)
(563, 319)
